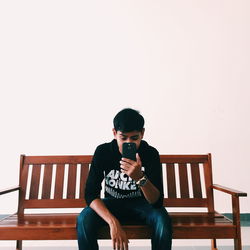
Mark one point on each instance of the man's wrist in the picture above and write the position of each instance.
(140, 176)
(142, 181)
(112, 221)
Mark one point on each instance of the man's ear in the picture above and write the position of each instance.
(142, 132)
(114, 132)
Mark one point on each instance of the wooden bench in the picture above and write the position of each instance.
(59, 181)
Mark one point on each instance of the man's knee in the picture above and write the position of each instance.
(86, 229)
(86, 218)
(161, 220)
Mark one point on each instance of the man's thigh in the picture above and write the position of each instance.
(149, 214)
(134, 209)
(120, 208)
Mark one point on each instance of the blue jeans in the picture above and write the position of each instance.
(138, 208)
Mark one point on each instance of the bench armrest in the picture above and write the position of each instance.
(9, 190)
(228, 190)
(235, 194)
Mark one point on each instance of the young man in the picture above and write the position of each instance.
(133, 189)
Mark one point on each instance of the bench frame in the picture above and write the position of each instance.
(184, 176)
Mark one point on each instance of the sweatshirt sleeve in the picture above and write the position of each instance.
(155, 176)
(95, 177)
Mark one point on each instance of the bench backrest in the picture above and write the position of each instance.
(59, 181)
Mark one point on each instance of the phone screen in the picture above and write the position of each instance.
(129, 150)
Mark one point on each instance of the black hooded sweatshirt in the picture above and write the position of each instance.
(106, 165)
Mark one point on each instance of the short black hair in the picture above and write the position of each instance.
(128, 120)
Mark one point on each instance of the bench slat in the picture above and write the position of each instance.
(71, 192)
(196, 180)
(47, 179)
(55, 203)
(35, 181)
(58, 159)
(183, 158)
(171, 183)
(84, 176)
(59, 181)
(185, 202)
(184, 189)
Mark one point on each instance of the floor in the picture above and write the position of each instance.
(134, 245)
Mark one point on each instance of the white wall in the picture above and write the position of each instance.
(67, 67)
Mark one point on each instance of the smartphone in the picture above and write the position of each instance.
(129, 150)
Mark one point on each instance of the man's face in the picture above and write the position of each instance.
(133, 136)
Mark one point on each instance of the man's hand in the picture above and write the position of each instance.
(118, 236)
(132, 168)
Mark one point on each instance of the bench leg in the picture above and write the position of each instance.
(19, 245)
(213, 244)
(236, 222)
(237, 244)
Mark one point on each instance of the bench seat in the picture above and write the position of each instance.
(60, 226)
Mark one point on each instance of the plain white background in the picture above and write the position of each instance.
(67, 67)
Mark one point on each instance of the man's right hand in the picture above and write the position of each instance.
(118, 236)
